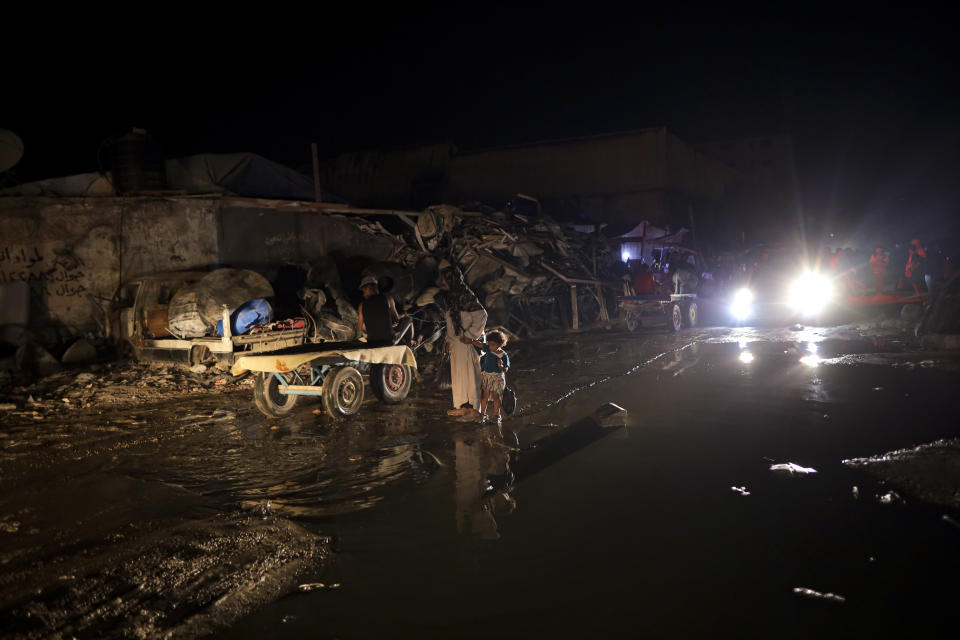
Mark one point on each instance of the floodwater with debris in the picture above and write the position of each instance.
(723, 506)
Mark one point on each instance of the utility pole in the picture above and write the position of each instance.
(316, 172)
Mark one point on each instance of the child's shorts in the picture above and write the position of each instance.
(494, 382)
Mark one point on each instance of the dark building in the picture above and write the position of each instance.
(618, 178)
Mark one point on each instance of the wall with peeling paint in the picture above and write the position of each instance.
(71, 249)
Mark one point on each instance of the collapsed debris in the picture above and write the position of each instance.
(531, 274)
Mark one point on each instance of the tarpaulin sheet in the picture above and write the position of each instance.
(241, 174)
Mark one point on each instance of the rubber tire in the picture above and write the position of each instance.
(268, 400)
(342, 392)
(675, 319)
(386, 392)
(200, 354)
(690, 317)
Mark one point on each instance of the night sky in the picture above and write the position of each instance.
(871, 100)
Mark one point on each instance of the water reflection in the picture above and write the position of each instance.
(811, 358)
(483, 482)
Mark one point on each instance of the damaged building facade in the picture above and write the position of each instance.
(73, 253)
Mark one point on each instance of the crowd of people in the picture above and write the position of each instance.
(478, 360)
(880, 273)
(877, 275)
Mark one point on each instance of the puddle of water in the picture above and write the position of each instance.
(624, 531)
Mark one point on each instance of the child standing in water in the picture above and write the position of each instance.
(494, 363)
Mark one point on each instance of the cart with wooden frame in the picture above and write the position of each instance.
(675, 311)
(335, 373)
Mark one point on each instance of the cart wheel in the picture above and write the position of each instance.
(200, 354)
(390, 382)
(676, 318)
(267, 396)
(691, 315)
(632, 322)
(342, 392)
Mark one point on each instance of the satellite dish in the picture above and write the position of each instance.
(11, 149)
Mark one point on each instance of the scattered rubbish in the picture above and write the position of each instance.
(926, 472)
(741, 490)
(810, 593)
(314, 586)
(890, 497)
(856, 492)
(199, 368)
(950, 520)
(792, 468)
(79, 352)
(611, 415)
(11, 526)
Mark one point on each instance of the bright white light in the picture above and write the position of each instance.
(746, 357)
(742, 344)
(625, 256)
(742, 306)
(810, 293)
(813, 347)
(811, 360)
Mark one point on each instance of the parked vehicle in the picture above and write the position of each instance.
(139, 327)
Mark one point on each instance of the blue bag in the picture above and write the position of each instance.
(247, 316)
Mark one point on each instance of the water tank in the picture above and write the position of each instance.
(11, 149)
(138, 163)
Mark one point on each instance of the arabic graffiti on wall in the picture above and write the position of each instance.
(49, 271)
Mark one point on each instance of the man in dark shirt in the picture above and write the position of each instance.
(378, 314)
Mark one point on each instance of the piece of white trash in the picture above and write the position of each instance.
(792, 468)
(810, 593)
(741, 490)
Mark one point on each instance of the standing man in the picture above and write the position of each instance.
(466, 320)
(378, 314)
(878, 266)
(916, 265)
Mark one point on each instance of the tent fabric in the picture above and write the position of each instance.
(240, 174)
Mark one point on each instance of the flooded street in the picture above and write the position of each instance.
(200, 516)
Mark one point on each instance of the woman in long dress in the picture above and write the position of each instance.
(466, 320)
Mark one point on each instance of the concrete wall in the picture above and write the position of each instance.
(67, 249)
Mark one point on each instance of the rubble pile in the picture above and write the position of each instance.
(111, 384)
(521, 267)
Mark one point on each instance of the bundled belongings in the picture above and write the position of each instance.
(195, 310)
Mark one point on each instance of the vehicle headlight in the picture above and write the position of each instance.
(810, 293)
(742, 306)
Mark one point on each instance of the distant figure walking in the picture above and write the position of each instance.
(915, 269)
(878, 267)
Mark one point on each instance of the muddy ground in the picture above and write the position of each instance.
(160, 503)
